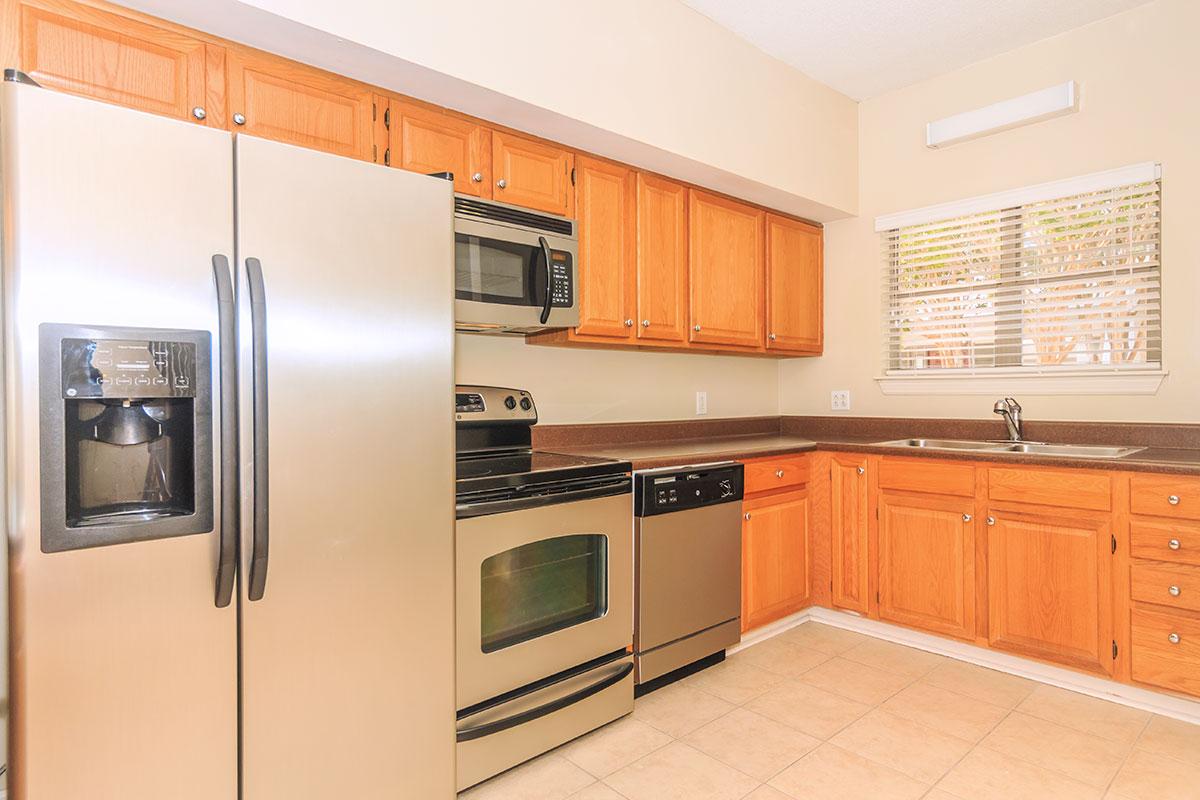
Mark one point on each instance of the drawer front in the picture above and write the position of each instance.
(1165, 496)
(1090, 490)
(1170, 585)
(1159, 661)
(929, 476)
(768, 474)
(1178, 542)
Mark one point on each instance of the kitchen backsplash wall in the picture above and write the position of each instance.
(582, 385)
(1137, 76)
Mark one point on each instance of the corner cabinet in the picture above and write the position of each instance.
(725, 271)
(849, 524)
(795, 286)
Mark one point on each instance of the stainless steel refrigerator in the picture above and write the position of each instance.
(228, 376)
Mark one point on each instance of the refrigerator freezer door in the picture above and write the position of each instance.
(348, 656)
(124, 676)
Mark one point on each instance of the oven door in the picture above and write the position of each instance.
(541, 590)
(501, 275)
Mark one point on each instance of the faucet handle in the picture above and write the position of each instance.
(1013, 404)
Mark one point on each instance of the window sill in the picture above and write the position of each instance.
(1077, 383)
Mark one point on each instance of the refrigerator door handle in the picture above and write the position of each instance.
(260, 539)
(230, 517)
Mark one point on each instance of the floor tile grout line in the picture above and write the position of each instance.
(1128, 755)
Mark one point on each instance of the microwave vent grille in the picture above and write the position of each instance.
(498, 213)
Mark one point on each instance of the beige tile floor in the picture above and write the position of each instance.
(819, 713)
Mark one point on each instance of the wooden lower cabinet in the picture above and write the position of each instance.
(925, 563)
(849, 532)
(775, 556)
(1050, 584)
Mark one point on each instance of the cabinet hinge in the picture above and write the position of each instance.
(877, 597)
(1114, 649)
(375, 152)
(387, 118)
(387, 157)
(1114, 544)
(374, 112)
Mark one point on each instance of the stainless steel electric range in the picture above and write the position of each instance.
(544, 587)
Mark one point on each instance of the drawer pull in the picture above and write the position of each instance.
(1173, 499)
(1173, 638)
(778, 473)
(1173, 544)
(1173, 591)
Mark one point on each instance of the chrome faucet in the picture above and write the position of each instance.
(1010, 409)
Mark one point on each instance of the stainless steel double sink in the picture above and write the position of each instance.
(1018, 448)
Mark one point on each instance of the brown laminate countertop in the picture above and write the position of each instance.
(649, 454)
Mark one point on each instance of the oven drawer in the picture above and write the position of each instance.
(539, 591)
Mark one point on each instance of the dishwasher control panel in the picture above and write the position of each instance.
(662, 491)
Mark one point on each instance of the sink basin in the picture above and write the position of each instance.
(1030, 448)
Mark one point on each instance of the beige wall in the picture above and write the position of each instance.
(1139, 74)
(651, 82)
(584, 385)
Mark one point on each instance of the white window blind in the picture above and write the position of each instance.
(1056, 278)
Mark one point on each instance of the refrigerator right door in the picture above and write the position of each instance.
(345, 275)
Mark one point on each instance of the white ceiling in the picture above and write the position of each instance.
(867, 47)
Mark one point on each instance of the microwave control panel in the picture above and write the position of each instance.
(560, 280)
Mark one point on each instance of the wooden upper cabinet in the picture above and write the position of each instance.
(795, 296)
(1050, 586)
(531, 173)
(662, 260)
(430, 140)
(848, 489)
(289, 102)
(775, 557)
(85, 51)
(605, 201)
(725, 271)
(926, 563)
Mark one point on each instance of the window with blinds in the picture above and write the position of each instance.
(1054, 278)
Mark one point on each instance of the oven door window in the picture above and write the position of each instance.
(495, 271)
(542, 587)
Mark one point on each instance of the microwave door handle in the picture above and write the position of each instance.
(549, 279)
(260, 539)
(230, 518)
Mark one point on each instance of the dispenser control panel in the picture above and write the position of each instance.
(128, 368)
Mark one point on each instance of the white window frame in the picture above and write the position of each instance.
(1006, 380)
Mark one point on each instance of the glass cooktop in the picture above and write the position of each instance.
(484, 472)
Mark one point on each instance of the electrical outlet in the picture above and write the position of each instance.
(701, 402)
(839, 400)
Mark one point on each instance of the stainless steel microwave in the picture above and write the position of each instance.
(515, 270)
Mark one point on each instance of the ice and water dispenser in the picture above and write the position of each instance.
(126, 435)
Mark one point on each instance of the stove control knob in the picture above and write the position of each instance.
(510, 402)
(525, 404)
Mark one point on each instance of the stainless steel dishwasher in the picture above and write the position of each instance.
(688, 566)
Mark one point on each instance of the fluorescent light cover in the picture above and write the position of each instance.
(1053, 101)
(1092, 182)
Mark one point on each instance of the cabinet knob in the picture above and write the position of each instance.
(628, 323)
(696, 327)
(502, 183)
(747, 515)
(1173, 591)
(477, 177)
(778, 473)
(1173, 544)
(1173, 638)
(1173, 499)
(199, 113)
(991, 520)
(862, 470)
(239, 119)
(645, 323)
(771, 337)
(966, 518)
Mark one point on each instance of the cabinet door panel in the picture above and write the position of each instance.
(662, 260)
(725, 271)
(605, 202)
(849, 534)
(535, 174)
(775, 561)
(926, 569)
(1050, 587)
(795, 292)
(429, 140)
(288, 102)
(113, 59)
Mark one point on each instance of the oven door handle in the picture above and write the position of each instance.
(488, 728)
(549, 279)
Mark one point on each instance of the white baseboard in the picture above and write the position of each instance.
(1132, 696)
